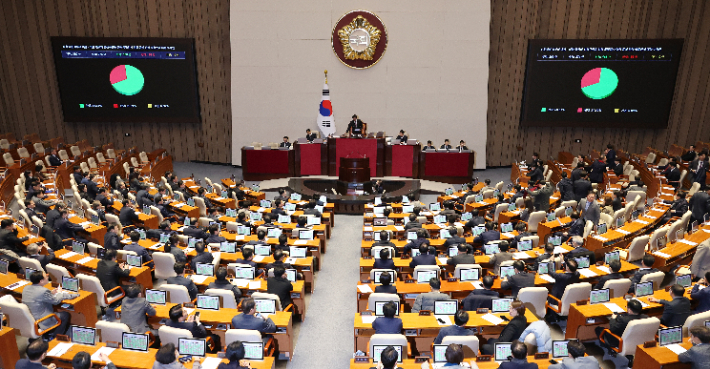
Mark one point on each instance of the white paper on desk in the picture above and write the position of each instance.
(104, 350)
(367, 229)
(493, 319)
(477, 285)
(547, 278)
(84, 260)
(211, 363)
(560, 250)
(641, 221)
(193, 186)
(179, 205)
(454, 197)
(60, 349)
(600, 238)
(445, 318)
(302, 202)
(68, 255)
(301, 242)
(220, 198)
(399, 228)
(613, 307)
(554, 198)
(198, 278)
(239, 237)
(515, 211)
(364, 288)
(604, 269)
(260, 210)
(687, 242)
(368, 319)
(17, 285)
(258, 258)
(369, 215)
(482, 203)
(189, 310)
(181, 228)
(290, 212)
(254, 285)
(425, 213)
(290, 261)
(706, 230)
(521, 255)
(587, 273)
(678, 349)
(459, 224)
(508, 234)
(241, 283)
(662, 254)
(157, 246)
(442, 225)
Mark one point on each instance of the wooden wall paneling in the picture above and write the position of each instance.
(700, 118)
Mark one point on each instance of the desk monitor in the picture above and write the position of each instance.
(156, 296)
(568, 211)
(378, 210)
(134, 342)
(440, 354)
(380, 304)
(501, 305)
(255, 188)
(449, 191)
(35, 230)
(507, 271)
(378, 200)
(491, 248)
(582, 262)
(411, 235)
(707, 323)
(599, 296)
(446, 307)
(469, 274)
(83, 335)
(296, 196)
(95, 219)
(243, 230)
(204, 269)
(229, 247)
(670, 336)
(506, 227)
(407, 209)
(253, 350)
(477, 230)
(133, 260)
(315, 220)
(478, 198)
(28, 272)
(224, 194)
(284, 219)
(273, 232)
(525, 245)
(619, 222)
(444, 233)
(684, 280)
(255, 217)
(291, 275)
(379, 273)
(611, 256)
(415, 252)
(265, 306)
(142, 233)
(694, 226)
(434, 206)
(207, 302)
(289, 206)
(556, 240)
(190, 202)
(70, 284)
(644, 289)
(265, 203)
(192, 346)
(502, 351)
(3, 266)
(306, 235)
(559, 349)
(551, 216)
(542, 268)
(466, 216)
(377, 351)
(320, 208)
(453, 251)
(376, 235)
(100, 252)
(601, 228)
(77, 247)
(323, 199)
(262, 250)
(423, 276)
(191, 242)
(297, 252)
(438, 219)
(244, 272)
(164, 238)
(661, 242)
(512, 207)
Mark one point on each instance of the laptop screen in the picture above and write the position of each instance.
(229, 247)
(265, 306)
(550, 216)
(559, 348)
(378, 210)
(466, 216)
(599, 296)
(507, 271)
(582, 262)
(453, 251)
(273, 233)
(644, 289)
(377, 351)
(244, 272)
(191, 242)
(380, 304)
(378, 274)
(207, 302)
(439, 219)
(83, 335)
(619, 222)
(305, 234)
(491, 248)
(669, 336)
(684, 280)
(192, 346)
(253, 350)
(446, 307)
(512, 207)
(284, 219)
(449, 191)
(291, 275)
(556, 240)
(525, 245)
(469, 274)
(568, 211)
(156, 296)
(3, 266)
(411, 235)
(77, 247)
(501, 305)
(601, 228)
(71, 284)
(262, 250)
(406, 209)
(506, 227)
(255, 217)
(477, 230)
(444, 233)
(134, 341)
(435, 206)
(204, 269)
(502, 351)
(265, 203)
(423, 276)
(133, 260)
(542, 268)
(297, 252)
(611, 256)
(28, 272)
(290, 206)
(314, 220)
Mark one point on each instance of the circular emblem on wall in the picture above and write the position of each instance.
(359, 39)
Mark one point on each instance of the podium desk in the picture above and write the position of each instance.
(9, 353)
(447, 167)
(660, 357)
(372, 148)
(258, 165)
(402, 160)
(311, 159)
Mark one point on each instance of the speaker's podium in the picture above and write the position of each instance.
(353, 173)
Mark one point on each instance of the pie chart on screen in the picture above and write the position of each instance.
(599, 83)
(126, 80)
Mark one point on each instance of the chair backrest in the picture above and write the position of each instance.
(573, 293)
(134, 162)
(164, 263)
(389, 339)
(535, 218)
(200, 204)
(56, 272)
(662, 162)
(63, 155)
(675, 227)
(488, 194)
(228, 300)
(535, 240)
(656, 278)
(26, 262)
(617, 214)
(75, 151)
(534, 299)
(112, 331)
(588, 228)
(7, 157)
(419, 268)
(499, 186)
(568, 203)
(651, 158)
(658, 233)
(92, 284)
(205, 222)
(270, 296)
(111, 218)
(171, 334)
(500, 208)
(143, 156)
(695, 319)
(467, 341)
(93, 248)
(560, 212)
(685, 219)
(243, 335)
(111, 153)
(618, 287)
(457, 270)
(519, 202)
(19, 316)
(375, 297)
(100, 157)
(155, 211)
(693, 189)
(121, 254)
(683, 174)
(637, 332)
(39, 148)
(92, 163)
(23, 152)
(637, 248)
(177, 294)
(605, 218)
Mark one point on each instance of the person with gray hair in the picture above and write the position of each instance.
(580, 250)
(33, 252)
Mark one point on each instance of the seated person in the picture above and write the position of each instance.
(698, 355)
(580, 250)
(135, 310)
(138, 249)
(490, 234)
(676, 311)
(235, 354)
(248, 257)
(388, 358)
(417, 242)
(519, 280)
(462, 146)
(401, 137)
(285, 143)
(701, 293)
(385, 286)
(429, 146)
(569, 276)
(35, 353)
(615, 266)
(384, 262)
(522, 230)
(519, 359)
(576, 358)
(512, 330)
(481, 298)
(202, 256)
(310, 136)
(214, 234)
(454, 355)
(446, 145)
(280, 286)
(425, 301)
(180, 319)
(283, 243)
(389, 324)
(497, 259)
(463, 256)
(424, 258)
(617, 325)
(457, 329)
(222, 283)
(249, 320)
(646, 268)
(278, 261)
(171, 247)
(180, 279)
(544, 257)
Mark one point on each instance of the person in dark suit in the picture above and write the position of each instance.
(576, 226)
(541, 197)
(280, 286)
(462, 146)
(64, 228)
(519, 280)
(413, 223)
(388, 324)
(512, 330)
(576, 174)
(536, 161)
(202, 256)
(180, 319)
(171, 247)
(562, 280)
(675, 311)
(463, 256)
(110, 272)
(429, 146)
(582, 187)
(646, 268)
(566, 188)
(576, 359)
(33, 253)
(615, 266)
(384, 262)
(590, 209)
(616, 201)
(9, 240)
(248, 257)
(127, 215)
(610, 154)
(699, 354)
(522, 230)
(699, 168)
(689, 155)
(385, 286)
(102, 198)
(679, 206)
(454, 240)
(618, 323)
(579, 250)
(355, 126)
(214, 234)
(700, 204)
(701, 295)
(457, 329)
(673, 175)
(401, 137)
(248, 319)
(138, 249)
(54, 159)
(310, 137)
(546, 255)
(535, 174)
(285, 143)
(194, 231)
(423, 258)
(53, 215)
(35, 353)
(222, 283)
(616, 167)
(278, 208)
(481, 298)
(491, 234)
(180, 279)
(278, 261)
(446, 145)
(77, 174)
(596, 173)
(519, 359)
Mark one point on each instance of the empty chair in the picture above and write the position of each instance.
(569, 203)
(112, 331)
(7, 157)
(605, 218)
(535, 218)
(656, 278)
(573, 293)
(499, 186)
(200, 204)
(676, 229)
(657, 237)
(75, 151)
(22, 152)
(39, 148)
(171, 334)
(470, 342)
(618, 287)
(177, 294)
(111, 153)
(588, 228)
(134, 162)
(560, 212)
(121, 254)
(92, 164)
(93, 248)
(208, 182)
(380, 297)
(111, 218)
(636, 249)
(488, 194)
(693, 189)
(164, 263)
(387, 340)
(617, 214)
(63, 155)
(56, 272)
(227, 297)
(500, 208)
(534, 299)
(103, 298)
(204, 222)
(636, 333)
(100, 158)
(155, 211)
(20, 318)
(144, 157)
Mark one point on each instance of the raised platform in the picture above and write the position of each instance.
(347, 196)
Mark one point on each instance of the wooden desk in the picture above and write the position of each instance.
(621, 237)
(138, 275)
(544, 229)
(185, 210)
(145, 221)
(410, 364)
(96, 232)
(680, 252)
(259, 165)
(9, 353)
(128, 358)
(248, 193)
(659, 357)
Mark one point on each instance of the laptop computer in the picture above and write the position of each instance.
(229, 247)
(378, 200)
(315, 220)
(262, 250)
(446, 307)
(501, 305)
(477, 230)
(601, 228)
(379, 222)
(379, 273)
(670, 336)
(568, 211)
(243, 230)
(4, 264)
(380, 304)
(466, 216)
(28, 272)
(525, 245)
(434, 206)
(502, 351)
(512, 207)
(582, 262)
(684, 280)
(559, 349)
(134, 342)
(423, 276)
(506, 227)
(555, 240)
(77, 247)
(469, 274)
(506, 271)
(255, 217)
(265, 203)
(542, 268)
(439, 219)
(158, 297)
(297, 252)
(377, 352)
(453, 251)
(273, 232)
(207, 302)
(551, 216)
(243, 272)
(491, 248)
(133, 260)
(70, 284)
(291, 275)
(192, 346)
(439, 355)
(600, 296)
(289, 206)
(253, 350)
(407, 209)
(444, 234)
(83, 335)
(411, 235)
(265, 306)
(643, 289)
(204, 269)
(305, 235)
(296, 196)
(284, 219)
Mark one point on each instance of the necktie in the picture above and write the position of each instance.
(586, 207)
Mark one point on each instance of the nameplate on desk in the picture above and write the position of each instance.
(481, 311)
(410, 281)
(483, 358)
(421, 359)
(648, 344)
(362, 359)
(424, 313)
(112, 344)
(542, 355)
(453, 279)
(411, 332)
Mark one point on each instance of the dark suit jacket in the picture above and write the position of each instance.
(452, 330)
(386, 289)
(536, 175)
(514, 329)
(195, 232)
(285, 144)
(605, 278)
(280, 287)
(412, 224)
(699, 204)
(197, 330)
(701, 173)
(66, 229)
(204, 257)
(698, 356)
(576, 228)
(109, 274)
(225, 285)
(679, 207)
(673, 175)
(675, 311)
(597, 173)
(461, 259)
(127, 216)
(455, 240)
(55, 161)
(518, 281)
(703, 298)
(618, 325)
(52, 217)
(383, 325)
(636, 278)
(422, 260)
(383, 264)
(581, 252)
(592, 213)
(311, 137)
(517, 364)
(581, 189)
(689, 156)
(562, 280)
(487, 236)
(566, 189)
(479, 299)
(187, 282)
(44, 259)
(610, 156)
(140, 251)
